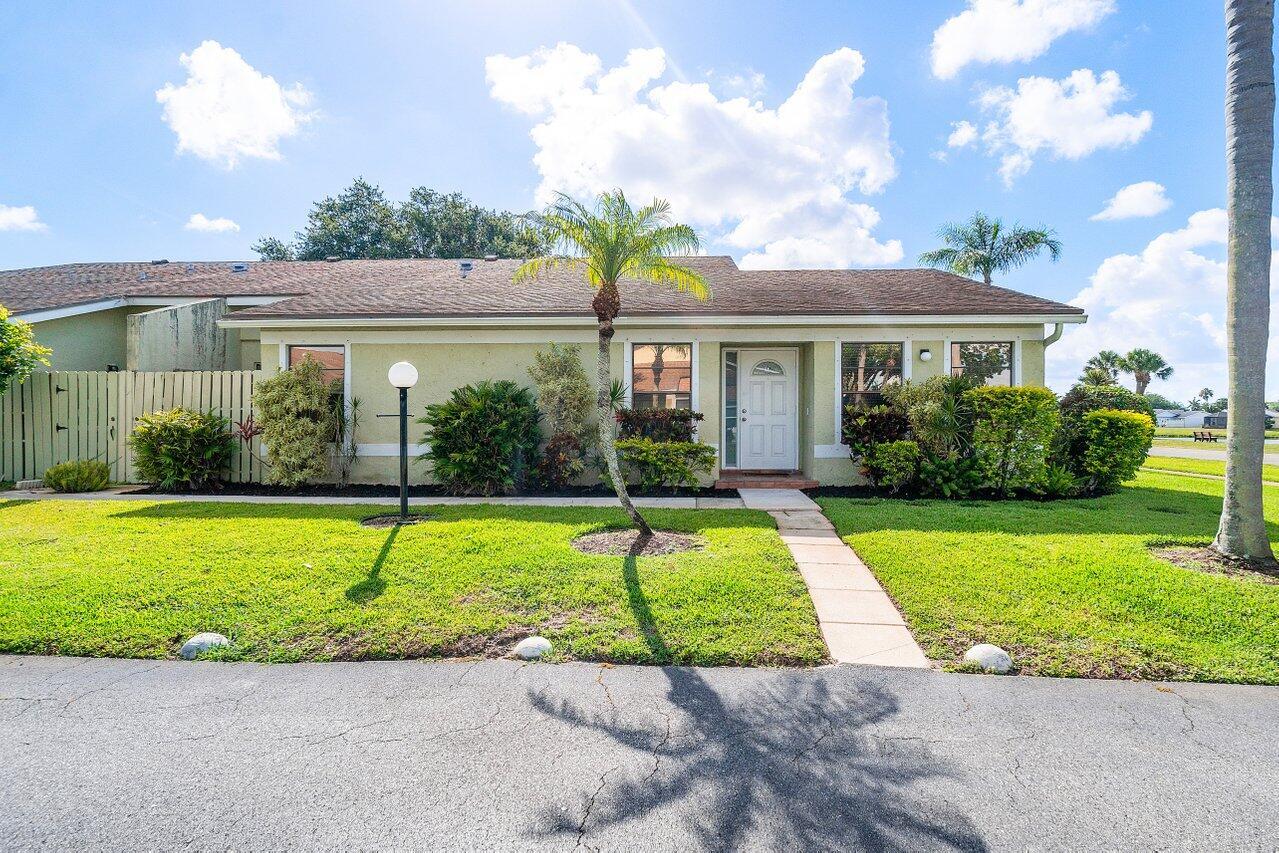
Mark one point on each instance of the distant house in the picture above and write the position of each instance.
(1195, 419)
(771, 359)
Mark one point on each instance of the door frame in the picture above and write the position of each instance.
(794, 395)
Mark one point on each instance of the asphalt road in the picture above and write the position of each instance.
(145, 755)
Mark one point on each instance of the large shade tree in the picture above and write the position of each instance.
(1250, 143)
(984, 246)
(613, 245)
(1145, 365)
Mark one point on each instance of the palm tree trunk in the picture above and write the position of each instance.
(1250, 116)
(1142, 384)
(607, 427)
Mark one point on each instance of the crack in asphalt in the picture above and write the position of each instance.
(590, 805)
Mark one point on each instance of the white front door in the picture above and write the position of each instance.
(768, 397)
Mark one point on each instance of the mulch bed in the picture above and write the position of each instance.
(627, 543)
(1208, 560)
(365, 490)
(382, 522)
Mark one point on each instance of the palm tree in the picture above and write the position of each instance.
(607, 244)
(1145, 365)
(1094, 375)
(1203, 398)
(983, 245)
(1108, 362)
(1250, 148)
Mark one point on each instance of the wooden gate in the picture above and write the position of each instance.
(64, 415)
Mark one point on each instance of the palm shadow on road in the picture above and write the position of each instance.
(790, 766)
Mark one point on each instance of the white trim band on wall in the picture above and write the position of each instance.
(388, 449)
(831, 451)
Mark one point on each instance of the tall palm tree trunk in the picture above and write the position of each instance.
(1250, 115)
(606, 304)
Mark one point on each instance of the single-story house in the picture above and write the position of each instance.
(771, 359)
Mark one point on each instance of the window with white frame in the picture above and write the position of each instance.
(982, 362)
(662, 376)
(332, 361)
(865, 370)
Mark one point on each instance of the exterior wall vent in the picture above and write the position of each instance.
(465, 267)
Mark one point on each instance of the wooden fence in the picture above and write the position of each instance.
(64, 415)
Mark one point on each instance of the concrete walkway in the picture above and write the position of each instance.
(859, 621)
(1218, 455)
(492, 755)
(122, 494)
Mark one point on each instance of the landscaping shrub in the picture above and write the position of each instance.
(665, 463)
(297, 417)
(181, 449)
(949, 476)
(483, 438)
(892, 465)
(865, 427)
(658, 424)
(1068, 443)
(1011, 434)
(1059, 482)
(88, 475)
(940, 419)
(561, 461)
(565, 395)
(1116, 443)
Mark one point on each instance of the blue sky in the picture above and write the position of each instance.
(410, 94)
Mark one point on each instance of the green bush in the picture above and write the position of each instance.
(1059, 482)
(892, 465)
(297, 417)
(482, 440)
(658, 424)
(181, 449)
(1011, 434)
(88, 475)
(941, 420)
(565, 395)
(1068, 444)
(665, 463)
(865, 427)
(949, 476)
(1116, 444)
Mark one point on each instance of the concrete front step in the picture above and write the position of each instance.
(764, 480)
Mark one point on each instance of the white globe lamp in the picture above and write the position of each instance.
(402, 375)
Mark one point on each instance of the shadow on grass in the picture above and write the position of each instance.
(1135, 510)
(374, 584)
(786, 767)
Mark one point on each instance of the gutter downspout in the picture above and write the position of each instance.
(1055, 336)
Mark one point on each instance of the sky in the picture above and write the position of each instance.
(837, 134)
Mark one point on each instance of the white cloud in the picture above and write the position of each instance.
(1145, 198)
(1068, 118)
(220, 225)
(963, 135)
(227, 110)
(772, 182)
(1170, 298)
(20, 219)
(1009, 30)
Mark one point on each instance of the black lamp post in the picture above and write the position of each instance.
(403, 376)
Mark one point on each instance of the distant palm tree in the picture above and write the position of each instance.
(607, 244)
(1096, 376)
(983, 245)
(1107, 361)
(1250, 154)
(1204, 397)
(1145, 365)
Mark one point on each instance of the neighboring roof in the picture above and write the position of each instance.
(435, 288)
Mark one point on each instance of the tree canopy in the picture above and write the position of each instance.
(984, 246)
(361, 223)
(19, 352)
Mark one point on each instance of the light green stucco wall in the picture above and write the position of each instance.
(447, 358)
(86, 341)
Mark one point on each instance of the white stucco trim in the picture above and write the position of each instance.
(1015, 379)
(681, 320)
(694, 380)
(70, 310)
(831, 451)
(839, 389)
(139, 301)
(945, 357)
(908, 358)
(628, 374)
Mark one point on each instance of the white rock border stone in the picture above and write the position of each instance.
(531, 648)
(202, 643)
(990, 658)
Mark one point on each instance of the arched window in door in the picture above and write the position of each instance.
(768, 368)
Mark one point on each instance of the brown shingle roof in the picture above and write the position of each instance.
(434, 288)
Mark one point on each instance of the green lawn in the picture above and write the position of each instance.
(290, 582)
(1069, 587)
(1202, 466)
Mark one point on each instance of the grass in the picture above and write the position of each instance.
(1216, 467)
(293, 582)
(1219, 446)
(1070, 588)
(1186, 432)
